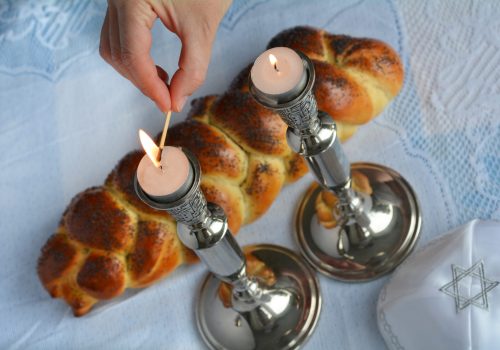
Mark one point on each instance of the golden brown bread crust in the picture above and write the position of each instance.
(305, 39)
(370, 56)
(218, 155)
(295, 166)
(228, 197)
(58, 256)
(338, 92)
(102, 276)
(56, 268)
(108, 240)
(266, 177)
(94, 211)
(155, 253)
(256, 129)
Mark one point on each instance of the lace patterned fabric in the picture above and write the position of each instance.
(454, 55)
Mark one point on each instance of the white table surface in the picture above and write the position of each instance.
(66, 118)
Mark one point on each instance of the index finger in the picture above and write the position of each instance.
(135, 42)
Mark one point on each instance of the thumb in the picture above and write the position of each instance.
(193, 65)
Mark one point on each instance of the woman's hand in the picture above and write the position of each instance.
(126, 43)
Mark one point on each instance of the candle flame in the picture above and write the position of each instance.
(273, 59)
(274, 62)
(152, 150)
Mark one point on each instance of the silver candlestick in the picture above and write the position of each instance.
(375, 230)
(258, 314)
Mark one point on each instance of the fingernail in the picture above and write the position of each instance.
(182, 102)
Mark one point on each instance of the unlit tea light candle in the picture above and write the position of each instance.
(279, 71)
(164, 178)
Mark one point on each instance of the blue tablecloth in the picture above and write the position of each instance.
(66, 118)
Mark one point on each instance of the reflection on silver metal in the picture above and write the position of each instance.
(391, 216)
(322, 150)
(374, 232)
(280, 316)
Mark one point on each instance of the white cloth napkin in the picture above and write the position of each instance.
(66, 118)
(447, 295)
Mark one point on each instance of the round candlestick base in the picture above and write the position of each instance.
(284, 316)
(394, 219)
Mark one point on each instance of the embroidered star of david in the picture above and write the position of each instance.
(475, 272)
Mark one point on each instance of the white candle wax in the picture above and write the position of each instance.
(164, 180)
(277, 71)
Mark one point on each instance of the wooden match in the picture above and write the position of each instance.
(164, 133)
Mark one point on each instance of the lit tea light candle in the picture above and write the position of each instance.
(167, 178)
(279, 72)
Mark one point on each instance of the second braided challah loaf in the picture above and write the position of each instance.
(355, 77)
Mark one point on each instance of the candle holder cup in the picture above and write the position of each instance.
(376, 229)
(257, 314)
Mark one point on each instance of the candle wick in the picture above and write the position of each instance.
(276, 67)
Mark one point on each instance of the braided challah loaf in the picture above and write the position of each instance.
(108, 240)
(355, 77)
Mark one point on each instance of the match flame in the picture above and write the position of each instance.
(273, 59)
(150, 147)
